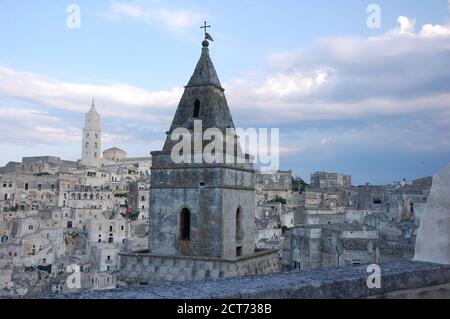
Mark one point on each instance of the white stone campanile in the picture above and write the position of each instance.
(92, 137)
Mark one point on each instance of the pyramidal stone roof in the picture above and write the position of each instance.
(93, 110)
(203, 99)
(205, 73)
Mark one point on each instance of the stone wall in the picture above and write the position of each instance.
(404, 279)
(433, 237)
(212, 194)
(140, 268)
(322, 180)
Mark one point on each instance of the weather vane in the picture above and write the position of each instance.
(207, 35)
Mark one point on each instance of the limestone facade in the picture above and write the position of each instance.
(91, 148)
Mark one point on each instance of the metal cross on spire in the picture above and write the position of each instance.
(205, 26)
(207, 35)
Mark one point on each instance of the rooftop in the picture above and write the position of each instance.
(114, 149)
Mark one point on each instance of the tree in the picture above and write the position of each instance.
(278, 199)
(129, 214)
(298, 185)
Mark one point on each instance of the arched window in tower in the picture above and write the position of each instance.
(196, 108)
(185, 224)
(239, 228)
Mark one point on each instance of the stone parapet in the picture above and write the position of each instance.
(143, 268)
(403, 279)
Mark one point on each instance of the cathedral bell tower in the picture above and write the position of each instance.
(91, 148)
(202, 208)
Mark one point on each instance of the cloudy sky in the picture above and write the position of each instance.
(370, 102)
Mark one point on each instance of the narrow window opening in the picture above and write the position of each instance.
(196, 108)
(239, 228)
(185, 224)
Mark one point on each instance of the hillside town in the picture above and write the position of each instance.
(56, 213)
(68, 226)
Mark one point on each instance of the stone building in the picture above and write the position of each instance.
(323, 180)
(341, 224)
(201, 209)
(114, 154)
(201, 213)
(272, 185)
(139, 200)
(275, 203)
(318, 246)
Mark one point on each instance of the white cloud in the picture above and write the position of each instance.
(297, 84)
(432, 31)
(111, 99)
(176, 20)
(118, 102)
(326, 140)
(29, 127)
(407, 25)
(399, 72)
(339, 78)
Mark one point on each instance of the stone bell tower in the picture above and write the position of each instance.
(92, 139)
(201, 208)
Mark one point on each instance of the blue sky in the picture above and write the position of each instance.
(373, 103)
